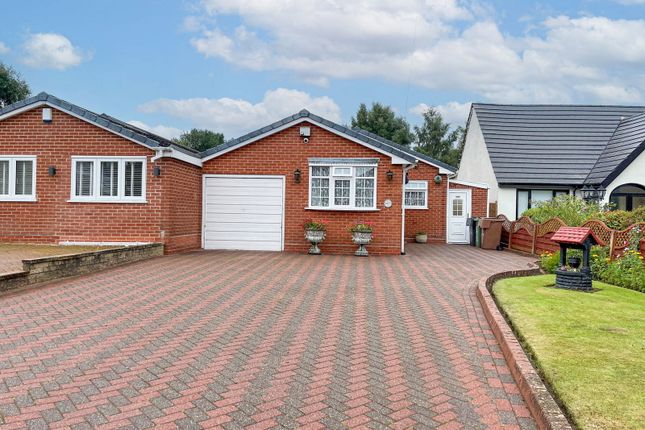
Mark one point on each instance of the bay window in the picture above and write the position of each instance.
(342, 185)
(17, 178)
(113, 179)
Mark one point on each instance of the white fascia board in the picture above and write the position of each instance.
(470, 184)
(395, 159)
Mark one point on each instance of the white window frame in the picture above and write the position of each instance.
(96, 196)
(12, 196)
(352, 187)
(425, 190)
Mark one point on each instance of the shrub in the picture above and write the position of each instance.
(549, 261)
(361, 227)
(573, 210)
(315, 225)
(620, 220)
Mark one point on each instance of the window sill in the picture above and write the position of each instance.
(309, 208)
(18, 199)
(415, 207)
(118, 202)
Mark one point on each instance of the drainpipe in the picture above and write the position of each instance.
(405, 172)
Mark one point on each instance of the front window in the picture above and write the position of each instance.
(416, 195)
(108, 179)
(526, 199)
(343, 187)
(17, 178)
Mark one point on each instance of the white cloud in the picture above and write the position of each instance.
(161, 130)
(436, 44)
(454, 113)
(52, 51)
(4, 49)
(234, 117)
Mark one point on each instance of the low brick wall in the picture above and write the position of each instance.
(542, 405)
(51, 268)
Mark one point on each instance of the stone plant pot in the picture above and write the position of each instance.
(315, 237)
(361, 238)
(421, 238)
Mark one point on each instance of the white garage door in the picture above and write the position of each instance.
(243, 212)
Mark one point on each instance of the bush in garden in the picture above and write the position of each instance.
(573, 210)
(620, 220)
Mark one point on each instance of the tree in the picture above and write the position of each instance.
(200, 140)
(435, 139)
(381, 120)
(12, 87)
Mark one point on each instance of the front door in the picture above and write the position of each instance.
(458, 213)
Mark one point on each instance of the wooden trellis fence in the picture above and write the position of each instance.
(526, 236)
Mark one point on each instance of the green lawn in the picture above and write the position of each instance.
(590, 347)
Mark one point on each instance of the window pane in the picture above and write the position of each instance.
(457, 206)
(342, 171)
(320, 192)
(24, 178)
(541, 196)
(109, 178)
(320, 171)
(522, 202)
(341, 192)
(133, 178)
(4, 177)
(84, 178)
(364, 193)
(417, 185)
(364, 172)
(415, 198)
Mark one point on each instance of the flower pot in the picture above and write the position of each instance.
(315, 237)
(361, 238)
(574, 262)
(421, 238)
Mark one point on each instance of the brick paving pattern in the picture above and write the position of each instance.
(261, 340)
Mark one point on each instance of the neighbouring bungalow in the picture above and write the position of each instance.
(68, 175)
(531, 153)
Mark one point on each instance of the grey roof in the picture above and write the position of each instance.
(625, 145)
(362, 135)
(548, 144)
(134, 133)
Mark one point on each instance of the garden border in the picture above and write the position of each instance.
(541, 404)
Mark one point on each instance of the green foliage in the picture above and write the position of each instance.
(573, 210)
(381, 120)
(200, 140)
(315, 225)
(435, 139)
(620, 220)
(361, 227)
(12, 87)
(627, 271)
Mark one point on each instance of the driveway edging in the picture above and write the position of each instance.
(541, 404)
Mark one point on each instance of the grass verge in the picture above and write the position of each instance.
(589, 347)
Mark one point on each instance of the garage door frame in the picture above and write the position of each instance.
(284, 195)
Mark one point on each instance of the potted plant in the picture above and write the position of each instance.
(421, 237)
(361, 236)
(315, 233)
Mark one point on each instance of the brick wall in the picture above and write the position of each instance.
(284, 152)
(431, 220)
(53, 219)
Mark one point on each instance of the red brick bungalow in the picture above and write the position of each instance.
(68, 175)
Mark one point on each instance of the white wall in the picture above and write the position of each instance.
(506, 202)
(633, 174)
(475, 163)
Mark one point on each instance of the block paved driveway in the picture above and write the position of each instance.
(261, 340)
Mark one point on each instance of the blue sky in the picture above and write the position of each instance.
(233, 66)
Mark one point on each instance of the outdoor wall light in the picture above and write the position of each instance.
(591, 193)
(51, 170)
(438, 179)
(297, 175)
(390, 175)
(156, 171)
